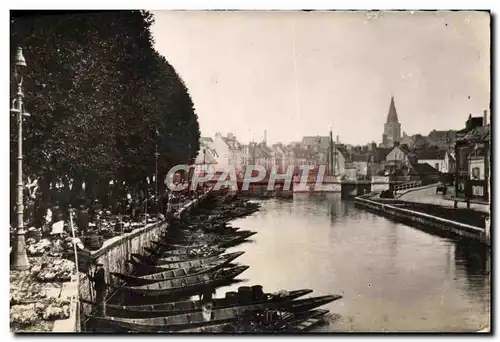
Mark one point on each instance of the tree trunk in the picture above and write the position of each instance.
(65, 197)
(103, 192)
(76, 191)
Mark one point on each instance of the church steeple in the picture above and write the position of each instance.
(392, 128)
(392, 116)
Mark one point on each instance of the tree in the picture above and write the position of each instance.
(98, 92)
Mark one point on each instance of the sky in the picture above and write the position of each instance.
(294, 74)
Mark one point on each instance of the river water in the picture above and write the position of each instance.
(393, 277)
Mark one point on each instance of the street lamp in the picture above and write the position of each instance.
(156, 175)
(19, 259)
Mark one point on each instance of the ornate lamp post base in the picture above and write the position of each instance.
(19, 258)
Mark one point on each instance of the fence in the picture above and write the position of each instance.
(407, 186)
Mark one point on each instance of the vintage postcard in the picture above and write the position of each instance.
(279, 172)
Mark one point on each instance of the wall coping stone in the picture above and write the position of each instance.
(417, 213)
(69, 292)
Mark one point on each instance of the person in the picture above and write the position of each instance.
(83, 219)
(135, 209)
(57, 214)
(206, 294)
(47, 223)
(99, 280)
(95, 210)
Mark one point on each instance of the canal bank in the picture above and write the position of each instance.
(116, 251)
(393, 277)
(161, 304)
(418, 214)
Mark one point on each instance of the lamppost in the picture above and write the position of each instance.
(19, 259)
(156, 175)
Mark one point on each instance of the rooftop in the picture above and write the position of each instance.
(423, 169)
(431, 154)
(481, 133)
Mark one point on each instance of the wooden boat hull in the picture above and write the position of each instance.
(176, 308)
(191, 284)
(288, 325)
(193, 320)
(222, 241)
(178, 272)
(307, 321)
(177, 258)
(164, 249)
(182, 251)
(143, 268)
(195, 231)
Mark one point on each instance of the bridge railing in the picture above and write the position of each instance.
(407, 186)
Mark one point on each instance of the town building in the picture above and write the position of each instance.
(444, 140)
(441, 160)
(361, 162)
(423, 172)
(408, 140)
(473, 156)
(260, 154)
(207, 155)
(399, 156)
(230, 152)
(316, 143)
(392, 127)
(378, 155)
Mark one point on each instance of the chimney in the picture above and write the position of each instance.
(338, 140)
(468, 123)
(485, 117)
(265, 137)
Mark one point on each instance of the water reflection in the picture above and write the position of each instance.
(393, 277)
(473, 262)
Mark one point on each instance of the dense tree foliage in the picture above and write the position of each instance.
(100, 98)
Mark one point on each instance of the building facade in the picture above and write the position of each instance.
(473, 155)
(398, 157)
(441, 160)
(230, 152)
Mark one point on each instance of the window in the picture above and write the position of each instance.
(476, 173)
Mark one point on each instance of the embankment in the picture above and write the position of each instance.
(116, 251)
(430, 218)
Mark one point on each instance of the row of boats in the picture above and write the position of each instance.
(189, 260)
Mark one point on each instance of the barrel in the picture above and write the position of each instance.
(34, 234)
(93, 242)
(245, 293)
(257, 292)
(232, 297)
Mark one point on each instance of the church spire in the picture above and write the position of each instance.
(392, 116)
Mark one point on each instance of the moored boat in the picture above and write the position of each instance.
(290, 323)
(190, 284)
(177, 272)
(208, 238)
(201, 318)
(201, 229)
(145, 268)
(175, 308)
(307, 322)
(189, 250)
(178, 258)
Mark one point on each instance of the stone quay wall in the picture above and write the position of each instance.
(425, 220)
